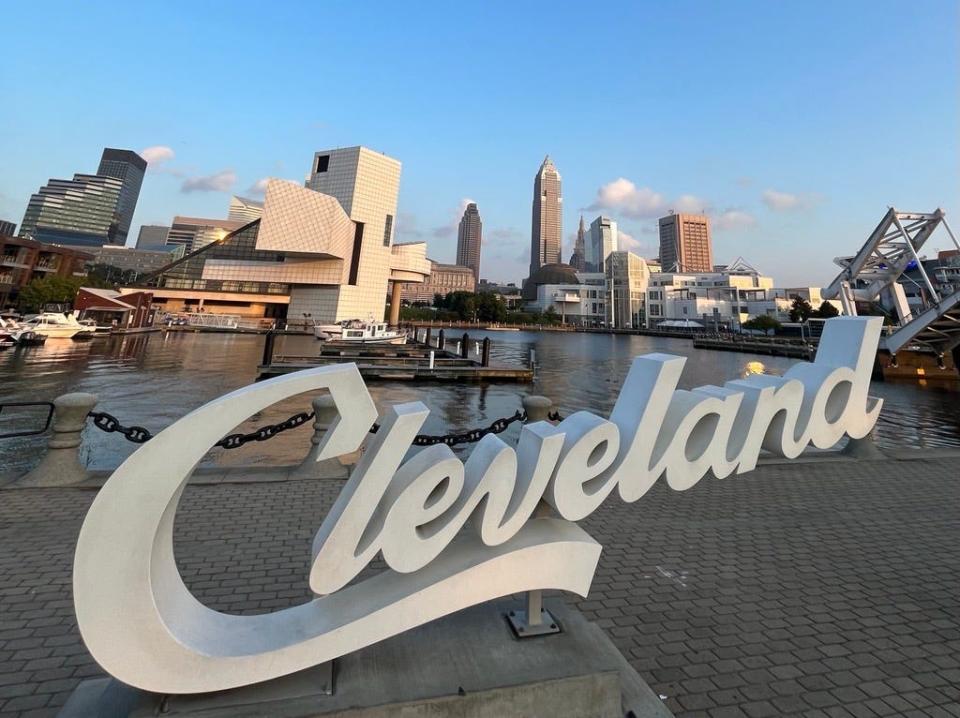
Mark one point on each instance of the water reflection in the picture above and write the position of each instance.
(153, 379)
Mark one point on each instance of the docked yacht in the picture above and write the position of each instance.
(55, 325)
(357, 332)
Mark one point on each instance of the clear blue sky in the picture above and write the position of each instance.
(795, 124)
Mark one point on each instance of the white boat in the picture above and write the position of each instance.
(355, 332)
(54, 325)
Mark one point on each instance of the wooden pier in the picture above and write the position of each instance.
(428, 360)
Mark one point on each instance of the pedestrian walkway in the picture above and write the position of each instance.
(828, 588)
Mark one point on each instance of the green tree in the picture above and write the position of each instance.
(763, 322)
(826, 310)
(800, 310)
(491, 307)
(49, 290)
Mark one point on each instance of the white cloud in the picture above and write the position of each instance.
(629, 200)
(157, 154)
(629, 243)
(259, 187)
(734, 219)
(450, 228)
(221, 181)
(781, 201)
(690, 204)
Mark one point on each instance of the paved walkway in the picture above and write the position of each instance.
(816, 589)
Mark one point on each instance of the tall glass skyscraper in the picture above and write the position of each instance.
(128, 167)
(88, 210)
(547, 226)
(469, 239)
(601, 239)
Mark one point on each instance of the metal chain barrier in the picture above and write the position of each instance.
(469, 437)
(139, 435)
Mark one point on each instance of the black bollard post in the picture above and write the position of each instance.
(441, 340)
(268, 340)
(426, 337)
(485, 352)
(465, 346)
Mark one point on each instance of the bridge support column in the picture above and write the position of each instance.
(395, 304)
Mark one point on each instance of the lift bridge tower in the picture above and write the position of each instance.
(889, 260)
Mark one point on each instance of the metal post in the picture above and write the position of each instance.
(431, 359)
(61, 466)
(441, 340)
(268, 340)
(465, 345)
(485, 356)
(426, 337)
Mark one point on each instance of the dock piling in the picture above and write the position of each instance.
(61, 466)
(268, 340)
(465, 346)
(485, 356)
(441, 340)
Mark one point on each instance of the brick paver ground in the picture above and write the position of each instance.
(817, 589)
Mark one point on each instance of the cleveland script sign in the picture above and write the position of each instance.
(453, 534)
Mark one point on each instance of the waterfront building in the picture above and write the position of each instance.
(306, 259)
(367, 185)
(23, 260)
(194, 233)
(717, 300)
(129, 311)
(128, 167)
(469, 240)
(627, 280)
(576, 297)
(136, 261)
(8, 229)
(443, 279)
(547, 223)
(685, 243)
(89, 210)
(152, 236)
(599, 241)
(576, 258)
(244, 210)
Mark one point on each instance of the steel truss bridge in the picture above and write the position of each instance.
(875, 277)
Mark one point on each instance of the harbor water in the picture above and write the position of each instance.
(151, 380)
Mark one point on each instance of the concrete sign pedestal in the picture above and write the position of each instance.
(467, 665)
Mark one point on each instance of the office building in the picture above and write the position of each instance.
(244, 210)
(600, 240)
(443, 279)
(685, 244)
(8, 229)
(22, 260)
(547, 224)
(152, 236)
(197, 232)
(306, 259)
(128, 167)
(135, 261)
(469, 240)
(627, 280)
(88, 210)
(576, 258)
(80, 212)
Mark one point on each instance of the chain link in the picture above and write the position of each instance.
(139, 435)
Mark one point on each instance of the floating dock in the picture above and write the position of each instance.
(758, 345)
(414, 361)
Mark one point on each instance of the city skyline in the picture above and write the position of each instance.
(783, 146)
